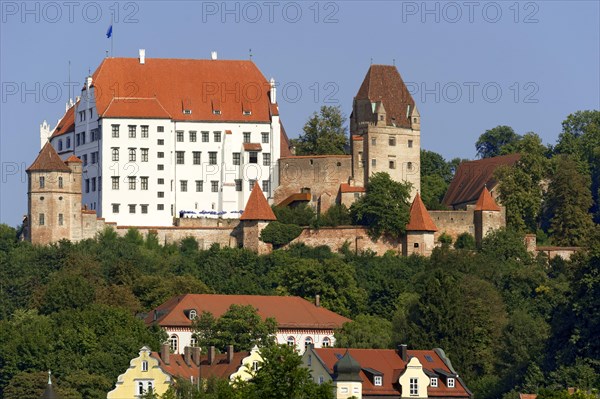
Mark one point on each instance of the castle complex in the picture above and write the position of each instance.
(196, 148)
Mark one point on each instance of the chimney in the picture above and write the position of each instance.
(273, 92)
(142, 56)
(187, 355)
(213, 55)
(164, 353)
(403, 352)
(229, 354)
(196, 355)
(211, 355)
(318, 300)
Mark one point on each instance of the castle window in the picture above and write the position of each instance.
(60, 219)
(68, 142)
(115, 154)
(236, 158)
(160, 155)
(160, 129)
(144, 183)
(144, 208)
(145, 365)
(144, 132)
(434, 382)
(307, 341)
(266, 159)
(160, 167)
(392, 164)
(193, 137)
(87, 185)
(183, 186)
(238, 184)
(41, 219)
(217, 137)
(115, 182)
(160, 207)
(196, 155)
(174, 343)
(160, 194)
(42, 182)
(416, 245)
(205, 137)
(144, 155)
(132, 155)
(265, 137)
(409, 166)
(131, 208)
(413, 386)
(132, 131)
(212, 158)
(214, 186)
(160, 181)
(115, 208)
(378, 380)
(199, 186)
(253, 157)
(180, 136)
(373, 162)
(450, 383)
(326, 342)
(414, 120)
(180, 157)
(132, 182)
(160, 142)
(115, 131)
(251, 184)
(60, 145)
(410, 144)
(291, 341)
(373, 141)
(392, 141)
(247, 137)
(266, 186)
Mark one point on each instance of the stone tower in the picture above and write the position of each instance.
(346, 379)
(255, 218)
(385, 128)
(54, 198)
(419, 238)
(488, 216)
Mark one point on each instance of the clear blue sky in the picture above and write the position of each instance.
(543, 56)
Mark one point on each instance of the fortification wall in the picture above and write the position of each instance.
(322, 174)
(206, 236)
(453, 223)
(336, 237)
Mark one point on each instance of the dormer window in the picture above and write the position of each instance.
(378, 381)
(434, 382)
(193, 314)
(217, 112)
(187, 111)
(247, 113)
(450, 383)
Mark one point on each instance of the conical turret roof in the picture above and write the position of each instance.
(419, 217)
(48, 160)
(257, 207)
(486, 202)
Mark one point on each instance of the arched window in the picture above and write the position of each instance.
(193, 341)
(291, 341)
(60, 182)
(326, 342)
(60, 147)
(174, 343)
(144, 365)
(193, 314)
(150, 386)
(140, 388)
(307, 341)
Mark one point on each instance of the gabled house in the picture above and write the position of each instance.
(300, 322)
(386, 373)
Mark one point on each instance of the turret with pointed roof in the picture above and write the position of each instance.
(486, 202)
(488, 215)
(255, 218)
(420, 220)
(419, 237)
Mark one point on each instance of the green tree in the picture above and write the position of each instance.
(240, 326)
(282, 375)
(490, 143)
(465, 241)
(568, 203)
(336, 215)
(279, 234)
(324, 133)
(301, 215)
(385, 208)
(365, 331)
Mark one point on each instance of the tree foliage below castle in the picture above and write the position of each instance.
(385, 208)
(279, 234)
(324, 133)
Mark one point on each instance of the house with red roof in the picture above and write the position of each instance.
(300, 322)
(386, 373)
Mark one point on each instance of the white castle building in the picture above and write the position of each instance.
(160, 138)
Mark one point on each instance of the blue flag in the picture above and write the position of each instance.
(109, 32)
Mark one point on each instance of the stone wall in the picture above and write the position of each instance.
(336, 237)
(453, 223)
(206, 236)
(320, 174)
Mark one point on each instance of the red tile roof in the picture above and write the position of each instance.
(122, 107)
(420, 220)
(389, 362)
(472, 176)
(289, 311)
(252, 147)
(357, 137)
(486, 202)
(220, 368)
(346, 188)
(179, 84)
(73, 158)
(48, 160)
(384, 83)
(66, 123)
(257, 207)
